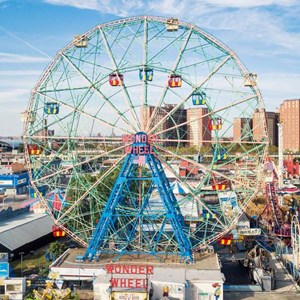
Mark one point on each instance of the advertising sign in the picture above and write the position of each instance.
(3, 257)
(249, 231)
(128, 296)
(4, 270)
(23, 180)
(6, 182)
(123, 281)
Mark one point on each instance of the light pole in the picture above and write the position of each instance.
(21, 253)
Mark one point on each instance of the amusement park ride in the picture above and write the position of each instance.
(273, 213)
(128, 96)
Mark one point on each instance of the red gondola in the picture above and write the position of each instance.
(115, 79)
(57, 231)
(214, 124)
(175, 81)
(220, 184)
(226, 240)
(34, 149)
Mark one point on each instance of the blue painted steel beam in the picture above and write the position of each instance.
(108, 223)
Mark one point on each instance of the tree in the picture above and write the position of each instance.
(273, 150)
(56, 249)
(21, 148)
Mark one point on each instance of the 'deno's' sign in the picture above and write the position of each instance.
(141, 143)
(249, 231)
(127, 282)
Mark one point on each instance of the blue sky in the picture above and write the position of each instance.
(265, 34)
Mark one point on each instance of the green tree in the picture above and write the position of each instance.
(273, 150)
(21, 148)
(56, 249)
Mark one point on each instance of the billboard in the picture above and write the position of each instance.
(249, 231)
(3, 257)
(4, 270)
(128, 296)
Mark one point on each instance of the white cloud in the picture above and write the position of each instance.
(122, 8)
(86, 4)
(15, 96)
(277, 87)
(130, 7)
(281, 82)
(17, 58)
(250, 3)
(20, 72)
(254, 24)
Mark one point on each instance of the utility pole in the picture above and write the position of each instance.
(21, 253)
(280, 154)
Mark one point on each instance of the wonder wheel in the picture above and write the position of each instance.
(145, 135)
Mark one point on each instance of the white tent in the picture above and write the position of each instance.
(178, 188)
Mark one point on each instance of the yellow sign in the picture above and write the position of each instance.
(53, 275)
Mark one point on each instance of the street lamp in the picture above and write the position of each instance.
(21, 253)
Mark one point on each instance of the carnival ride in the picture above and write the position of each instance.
(107, 126)
(277, 219)
(50, 293)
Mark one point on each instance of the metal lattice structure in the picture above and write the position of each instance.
(177, 84)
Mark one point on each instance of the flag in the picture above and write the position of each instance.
(268, 166)
(139, 159)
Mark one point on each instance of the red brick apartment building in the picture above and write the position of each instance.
(290, 117)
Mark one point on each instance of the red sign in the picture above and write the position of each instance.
(141, 143)
(129, 269)
(137, 283)
(139, 138)
(147, 149)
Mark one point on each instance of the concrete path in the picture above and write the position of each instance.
(262, 296)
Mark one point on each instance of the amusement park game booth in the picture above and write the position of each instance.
(15, 184)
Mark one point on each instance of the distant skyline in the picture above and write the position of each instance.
(265, 34)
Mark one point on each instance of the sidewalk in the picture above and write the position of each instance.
(263, 295)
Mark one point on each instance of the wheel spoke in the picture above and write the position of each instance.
(75, 109)
(97, 91)
(129, 101)
(207, 169)
(185, 99)
(211, 113)
(166, 88)
(112, 168)
(191, 192)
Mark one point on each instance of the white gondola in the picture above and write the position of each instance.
(172, 24)
(27, 116)
(250, 79)
(80, 41)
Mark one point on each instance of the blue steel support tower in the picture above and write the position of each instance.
(150, 227)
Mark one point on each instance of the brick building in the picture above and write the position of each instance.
(197, 122)
(176, 118)
(272, 120)
(242, 129)
(290, 117)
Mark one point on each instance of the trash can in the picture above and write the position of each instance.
(266, 283)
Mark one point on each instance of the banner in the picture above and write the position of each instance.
(128, 296)
(4, 270)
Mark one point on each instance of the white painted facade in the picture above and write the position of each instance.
(15, 288)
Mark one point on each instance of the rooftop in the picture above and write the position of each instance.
(23, 229)
(203, 262)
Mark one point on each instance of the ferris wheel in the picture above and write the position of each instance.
(145, 135)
